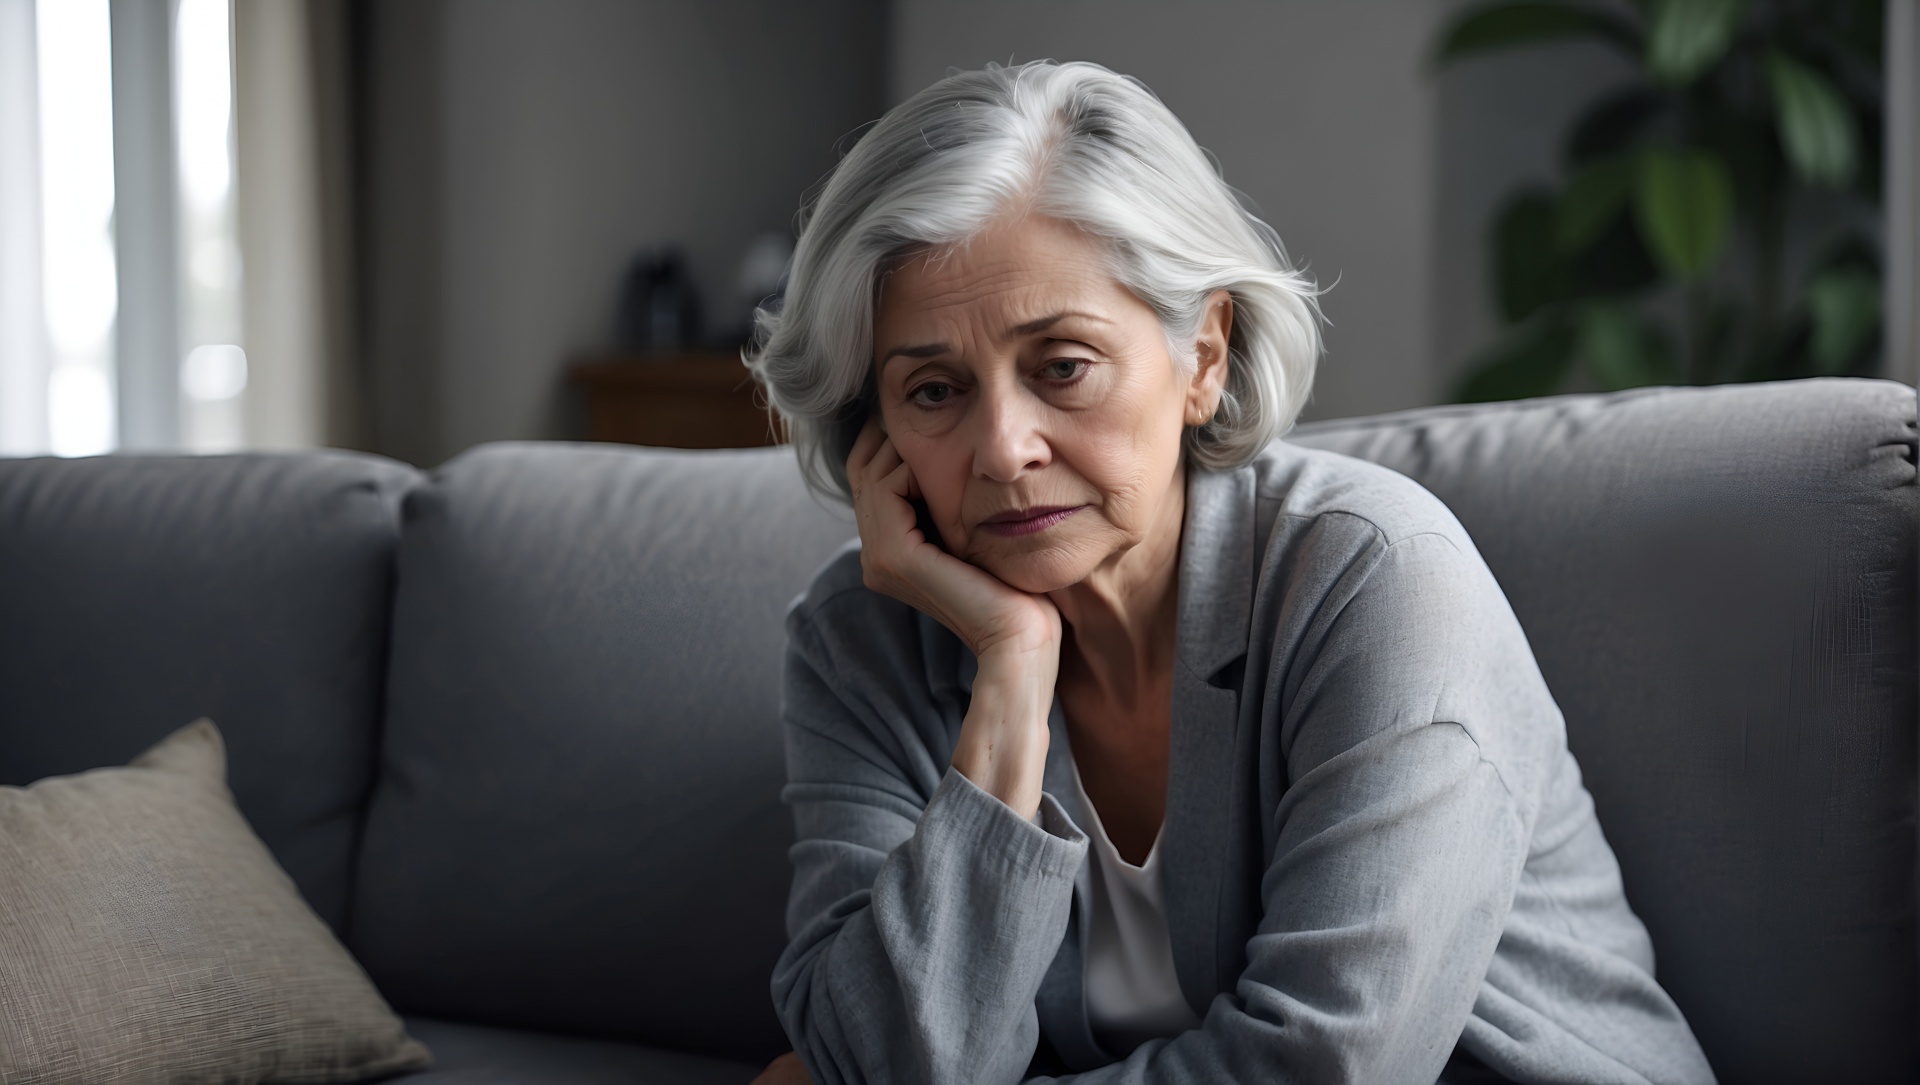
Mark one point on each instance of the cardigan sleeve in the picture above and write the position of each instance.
(920, 924)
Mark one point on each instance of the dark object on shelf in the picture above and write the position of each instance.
(659, 306)
(673, 400)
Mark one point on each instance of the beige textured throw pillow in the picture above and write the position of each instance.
(147, 935)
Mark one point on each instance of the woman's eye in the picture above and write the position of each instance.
(932, 393)
(1063, 368)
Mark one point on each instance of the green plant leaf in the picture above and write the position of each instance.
(1492, 27)
(1594, 198)
(1619, 350)
(1526, 262)
(1683, 203)
(1532, 360)
(1816, 126)
(1844, 306)
(1687, 37)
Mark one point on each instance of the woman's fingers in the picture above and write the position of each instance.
(899, 481)
(889, 533)
(886, 461)
(875, 464)
(864, 446)
(881, 481)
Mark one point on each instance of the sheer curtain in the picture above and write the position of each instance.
(295, 222)
(23, 378)
(58, 289)
(174, 226)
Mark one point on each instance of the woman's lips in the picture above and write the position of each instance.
(1027, 521)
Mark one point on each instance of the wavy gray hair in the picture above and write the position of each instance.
(1075, 142)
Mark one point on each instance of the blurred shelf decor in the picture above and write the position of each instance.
(685, 399)
(668, 383)
(1718, 217)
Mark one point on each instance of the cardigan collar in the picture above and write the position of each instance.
(1216, 570)
(1215, 615)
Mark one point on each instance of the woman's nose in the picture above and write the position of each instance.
(1008, 439)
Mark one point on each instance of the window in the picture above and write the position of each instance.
(118, 318)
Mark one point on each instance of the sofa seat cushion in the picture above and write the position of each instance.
(466, 1054)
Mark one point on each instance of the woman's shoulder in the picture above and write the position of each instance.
(837, 599)
(1304, 485)
(839, 579)
(1332, 528)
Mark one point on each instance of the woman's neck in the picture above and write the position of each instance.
(1121, 619)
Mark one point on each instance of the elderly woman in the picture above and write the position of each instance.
(1131, 745)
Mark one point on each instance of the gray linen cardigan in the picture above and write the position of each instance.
(1377, 845)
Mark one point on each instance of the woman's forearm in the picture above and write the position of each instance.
(931, 976)
(1002, 747)
(919, 937)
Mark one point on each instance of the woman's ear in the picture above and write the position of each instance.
(1210, 352)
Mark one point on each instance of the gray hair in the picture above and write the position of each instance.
(1075, 142)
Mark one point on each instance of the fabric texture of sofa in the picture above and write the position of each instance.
(513, 726)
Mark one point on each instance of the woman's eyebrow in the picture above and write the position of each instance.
(1031, 327)
(1034, 326)
(924, 350)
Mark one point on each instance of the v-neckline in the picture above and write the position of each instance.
(1097, 829)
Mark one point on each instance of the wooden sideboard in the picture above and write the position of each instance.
(687, 400)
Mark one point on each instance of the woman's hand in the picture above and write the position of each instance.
(899, 560)
(785, 1070)
(1015, 635)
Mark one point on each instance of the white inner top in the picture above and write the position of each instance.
(1133, 994)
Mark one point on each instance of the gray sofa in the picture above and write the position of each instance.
(513, 726)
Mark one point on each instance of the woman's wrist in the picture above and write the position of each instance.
(1003, 741)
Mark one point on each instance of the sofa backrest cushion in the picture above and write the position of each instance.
(138, 593)
(1719, 586)
(578, 823)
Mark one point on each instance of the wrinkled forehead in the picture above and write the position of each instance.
(1013, 272)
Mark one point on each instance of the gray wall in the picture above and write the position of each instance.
(1321, 111)
(515, 154)
(518, 153)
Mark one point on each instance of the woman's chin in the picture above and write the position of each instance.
(1040, 571)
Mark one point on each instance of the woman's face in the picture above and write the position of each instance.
(1036, 402)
